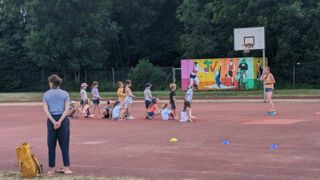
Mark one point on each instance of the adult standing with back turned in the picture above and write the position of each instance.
(55, 106)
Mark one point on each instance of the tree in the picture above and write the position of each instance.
(14, 63)
(145, 72)
(69, 35)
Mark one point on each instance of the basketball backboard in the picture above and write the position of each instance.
(253, 36)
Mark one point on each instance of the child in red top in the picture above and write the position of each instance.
(153, 109)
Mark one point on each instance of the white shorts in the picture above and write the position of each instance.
(128, 100)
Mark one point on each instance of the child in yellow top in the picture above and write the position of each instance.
(269, 81)
(120, 93)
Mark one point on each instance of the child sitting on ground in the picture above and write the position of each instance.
(166, 114)
(186, 113)
(118, 111)
(85, 109)
(72, 109)
(107, 112)
(152, 110)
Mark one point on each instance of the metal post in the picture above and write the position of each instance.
(294, 75)
(113, 77)
(173, 74)
(264, 66)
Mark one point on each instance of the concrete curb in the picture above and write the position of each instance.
(180, 101)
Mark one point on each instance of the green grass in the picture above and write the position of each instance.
(37, 96)
(9, 175)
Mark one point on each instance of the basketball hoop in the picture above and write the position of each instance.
(247, 48)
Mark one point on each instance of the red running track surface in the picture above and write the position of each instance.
(141, 148)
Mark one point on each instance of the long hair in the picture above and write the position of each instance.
(125, 85)
(94, 83)
(186, 105)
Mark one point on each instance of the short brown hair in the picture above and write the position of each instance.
(55, 81)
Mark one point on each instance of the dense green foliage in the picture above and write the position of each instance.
(145, 72)
(75, 38)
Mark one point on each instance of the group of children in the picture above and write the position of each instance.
(120, 109)
(151, 104)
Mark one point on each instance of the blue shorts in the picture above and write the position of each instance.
(96, 101)
(147, 103)
(269, 89)
(151, 114)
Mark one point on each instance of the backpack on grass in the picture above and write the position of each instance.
(28, 163)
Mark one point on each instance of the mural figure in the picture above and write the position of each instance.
(242, 74)
(221, 73)
(193, 76)
(230, 69)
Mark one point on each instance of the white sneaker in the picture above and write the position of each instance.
(130, 118)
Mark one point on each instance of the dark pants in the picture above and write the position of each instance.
(63, 136)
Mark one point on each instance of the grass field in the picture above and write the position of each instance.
(36, 96)
(9, 175)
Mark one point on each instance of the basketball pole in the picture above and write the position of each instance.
(264, 66)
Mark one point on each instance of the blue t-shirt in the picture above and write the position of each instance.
(56, 98)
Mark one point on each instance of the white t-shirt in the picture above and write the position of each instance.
(184, 116)
(83, 94)
(116, 111)
(147, 94)
(165, 114)
(189, 95)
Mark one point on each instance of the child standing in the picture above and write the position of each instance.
(129, 98)
(83, 93)
(147, 97)
(172, 97)
(120, 92)
(269, 81)
(186, 113)
(166, 114)
(189, 94)
(152, 109)
(95, 97)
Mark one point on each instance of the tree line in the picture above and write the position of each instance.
(81, 35)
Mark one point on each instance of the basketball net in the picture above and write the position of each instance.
(247, 48)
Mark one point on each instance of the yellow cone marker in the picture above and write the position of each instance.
(173, 140)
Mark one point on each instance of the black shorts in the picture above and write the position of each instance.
(192, 76)
(96, 101)
(151, 114)
(173, 106)
(269, 89)
(81, 102)
(147, 103)
(230, 73)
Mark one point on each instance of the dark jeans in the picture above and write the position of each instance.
(62, 135)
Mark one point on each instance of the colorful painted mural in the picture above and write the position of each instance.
(223, 73)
